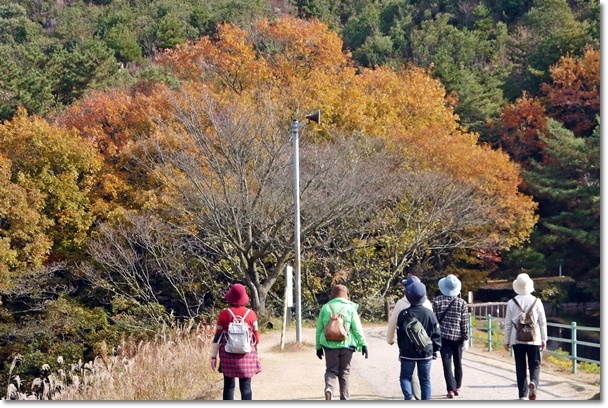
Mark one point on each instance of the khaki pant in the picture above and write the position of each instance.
(337, 370)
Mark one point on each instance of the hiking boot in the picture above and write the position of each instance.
(328, 394)
(450, 394)
(532, 391)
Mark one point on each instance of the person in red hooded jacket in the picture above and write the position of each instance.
(241, 366)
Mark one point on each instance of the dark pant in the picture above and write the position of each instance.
(244, 387)
(531, 353)
(451, 353)
(337, 370)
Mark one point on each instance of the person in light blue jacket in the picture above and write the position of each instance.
(527, 354)
(339, 353)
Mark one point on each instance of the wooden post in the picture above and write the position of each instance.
(284, 320)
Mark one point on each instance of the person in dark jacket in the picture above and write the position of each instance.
(410, 357)
(453, 315)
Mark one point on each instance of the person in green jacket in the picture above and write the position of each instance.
(339, 353)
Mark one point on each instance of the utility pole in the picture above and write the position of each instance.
(295, 129)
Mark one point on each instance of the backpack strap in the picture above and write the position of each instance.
(532, 307)
(446, 310)
(522, 309)
(333, 311)
(235, 316)
(518, 305)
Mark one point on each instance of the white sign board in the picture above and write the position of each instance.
(289, 285)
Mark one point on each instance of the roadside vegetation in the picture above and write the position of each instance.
(172, 367)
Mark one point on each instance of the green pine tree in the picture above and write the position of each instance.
(567, 187)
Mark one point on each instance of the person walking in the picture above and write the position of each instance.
(231, 365)
(410, 357)
(403, 304)
(452, 314)
(339, 353)
(527, 354)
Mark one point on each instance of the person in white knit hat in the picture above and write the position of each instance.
(527, 354)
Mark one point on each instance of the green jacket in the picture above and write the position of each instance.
(355, 339)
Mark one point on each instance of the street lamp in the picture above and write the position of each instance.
(295, 129)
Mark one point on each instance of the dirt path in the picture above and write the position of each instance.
(297, 374)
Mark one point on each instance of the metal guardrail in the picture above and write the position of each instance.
(573, 340)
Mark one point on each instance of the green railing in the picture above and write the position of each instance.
(492, 340)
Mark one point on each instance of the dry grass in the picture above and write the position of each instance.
(174, 367)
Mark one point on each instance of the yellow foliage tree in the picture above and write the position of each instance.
(55, 172)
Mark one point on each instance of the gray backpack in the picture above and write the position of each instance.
(238, 335)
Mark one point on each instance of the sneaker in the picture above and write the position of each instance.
(532, 391)
(523, 398)
(328, 394)
(450, 394)
(457, 392)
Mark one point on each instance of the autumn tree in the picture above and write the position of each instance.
(219, 152)
(573, 94)
(45, 219)
(111, 122)
(518, 130)
(411, 116)
(23, 239)
(228, 170)
(150, 269)
(56, 168)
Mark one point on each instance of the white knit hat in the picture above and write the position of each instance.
(523, 285)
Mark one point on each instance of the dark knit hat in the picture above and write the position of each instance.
(237, 295)
(415, 293)
(410, 279)
(339, 291)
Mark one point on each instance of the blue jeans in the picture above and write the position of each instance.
(230, 385)
(424, 376)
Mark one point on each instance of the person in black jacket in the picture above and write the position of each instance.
(410, 357)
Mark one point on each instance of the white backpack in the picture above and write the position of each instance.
(238, 336)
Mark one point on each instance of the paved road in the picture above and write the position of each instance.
(298, 374)
(484, 378)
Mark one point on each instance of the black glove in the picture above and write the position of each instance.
(364, 351)
(320, 353)
(434, 355)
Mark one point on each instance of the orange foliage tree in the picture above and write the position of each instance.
(220, 146)
(300, 65)
(111, 122)
(573, 95)
(518, 130)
